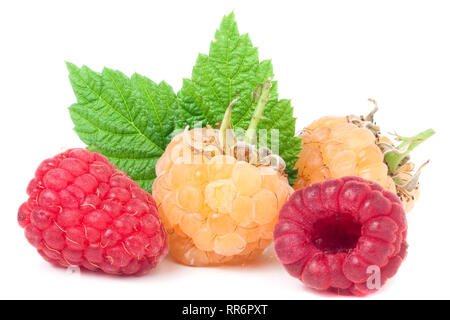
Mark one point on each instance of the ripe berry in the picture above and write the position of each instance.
(335, 147)
(218, 195)
(333, 235)
(83, 211)
(217, 209)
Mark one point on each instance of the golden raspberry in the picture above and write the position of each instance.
(335, 147)
(216, 209)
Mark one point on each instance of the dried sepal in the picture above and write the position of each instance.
(204, 141)
(243, 151)
(411, 183)
(366, 121)
(275, 161)
(397, 158)
(263, 152)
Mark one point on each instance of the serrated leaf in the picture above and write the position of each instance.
(233, 64)
(127, 120)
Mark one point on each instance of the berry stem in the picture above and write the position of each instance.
(250, 135)
(395, 159)
(226, 134)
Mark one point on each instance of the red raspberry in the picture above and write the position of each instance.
(82, 211)
(330, 233)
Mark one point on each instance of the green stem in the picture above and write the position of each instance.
(226, 125)
(393, 160)
(250, 135)
(225, 128)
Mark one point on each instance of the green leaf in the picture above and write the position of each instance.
(129, 120)
(233, 64)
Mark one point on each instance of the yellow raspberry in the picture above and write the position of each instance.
(216, 209)
(246, 178)
(334, 147)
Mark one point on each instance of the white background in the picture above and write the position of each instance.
(329, 57)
